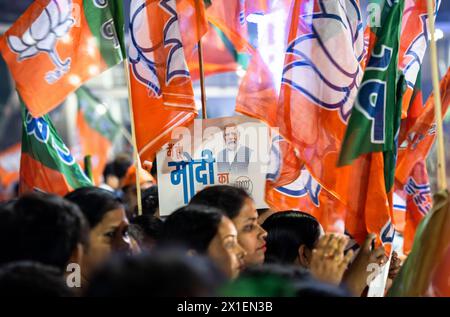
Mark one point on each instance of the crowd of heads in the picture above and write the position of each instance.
(94, 242)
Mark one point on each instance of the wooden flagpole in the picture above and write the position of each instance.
(441, 169)
(200, 64)
(137, 161)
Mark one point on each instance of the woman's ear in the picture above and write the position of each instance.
(304, 256)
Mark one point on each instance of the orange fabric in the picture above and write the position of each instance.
(419, 133)
(161, 87)
(92, 143)
(29, 74)
(216, 57)
(422, 134)
(355, 194)
(226, 16)
(9, 163)
(36, 175)
(413, 44)
(130, 177)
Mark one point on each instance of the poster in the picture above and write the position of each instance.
(224, 151)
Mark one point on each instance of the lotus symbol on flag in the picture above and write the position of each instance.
(324, 58)
(52, 24)
(141, 50)
(421, 194)
(305, 184)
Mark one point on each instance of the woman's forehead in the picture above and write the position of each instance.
(114, 217)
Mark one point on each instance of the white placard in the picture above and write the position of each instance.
(225, 151)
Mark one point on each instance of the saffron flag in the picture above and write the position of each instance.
(413, 45)
(160, 82)
(46, 163)
(375, 117)
(230, 17)
(219, 55)
(9, 165)
(416, 192)
(373, 128)
(56, 45)
(319, 80)
(411, 174)
(421, 134)
(96, 131)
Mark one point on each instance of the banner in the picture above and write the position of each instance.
(225, 151)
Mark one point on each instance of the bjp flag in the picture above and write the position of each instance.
(413, 45)
(56, 45)
(161, 87)
(9, 165)
(411, 176)
(309, 97)
(46, 163)
(96, 131)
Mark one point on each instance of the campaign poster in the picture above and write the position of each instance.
(225, 151)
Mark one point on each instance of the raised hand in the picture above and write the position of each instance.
(328, 262)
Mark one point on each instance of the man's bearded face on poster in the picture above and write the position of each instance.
(231, 136)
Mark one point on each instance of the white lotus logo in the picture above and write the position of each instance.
(304, 185)
(326, 66)
(52, 24)
(141, 50)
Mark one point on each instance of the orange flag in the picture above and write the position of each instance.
(413, 45)
(57, 45)
(411, 176)
(160, 82)
(9, 165)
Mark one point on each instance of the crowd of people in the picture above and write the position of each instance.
(93, 242)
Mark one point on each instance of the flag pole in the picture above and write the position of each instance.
(88, 167)
(200, 65)
(137, 161)
(441, 169)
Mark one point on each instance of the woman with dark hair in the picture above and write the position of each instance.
(205, 230)
(291, 237)
(237, 205)
(108, 226)
(297, 238)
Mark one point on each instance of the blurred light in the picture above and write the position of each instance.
(91, 46)
(74, 80)
(93, 70)
(438, 34)
(66, 39)
(255, 18)
(240, 72)
(101, 110)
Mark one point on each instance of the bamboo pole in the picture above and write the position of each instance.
(200, 65)
(137, 161)
(441, 169)
(88, 167)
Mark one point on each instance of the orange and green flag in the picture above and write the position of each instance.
(9, 165)
(96, 131)
(56, 45)
(46, 163)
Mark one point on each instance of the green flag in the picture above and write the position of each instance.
(46, 162)
(375, 119)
